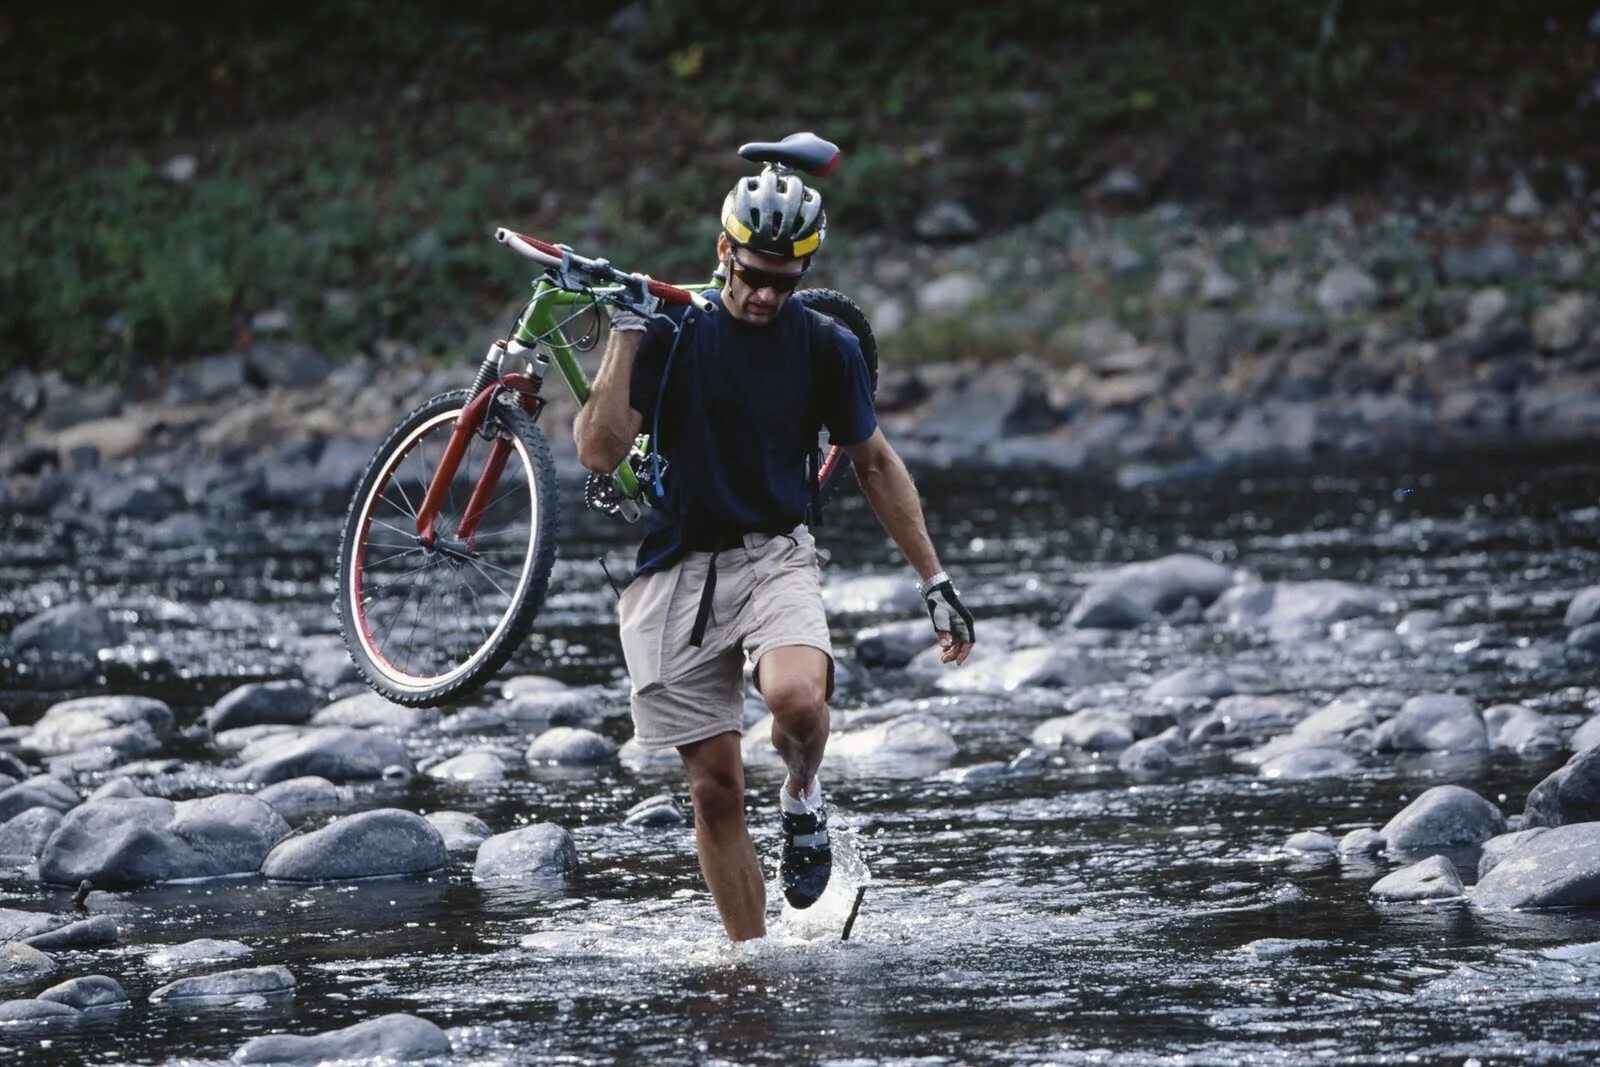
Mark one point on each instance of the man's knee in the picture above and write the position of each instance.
(795, 698)
(717, 793)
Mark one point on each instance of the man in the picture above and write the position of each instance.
(734, 400)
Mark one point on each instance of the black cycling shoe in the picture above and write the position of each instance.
(807, 858)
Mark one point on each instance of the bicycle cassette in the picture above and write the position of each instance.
(600, 491)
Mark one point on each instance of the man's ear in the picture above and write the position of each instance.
(724, 246)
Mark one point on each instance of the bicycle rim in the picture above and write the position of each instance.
(427, 617)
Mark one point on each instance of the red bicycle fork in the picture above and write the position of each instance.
(467, 425)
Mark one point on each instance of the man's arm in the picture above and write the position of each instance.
(894, 500)
(607, 424)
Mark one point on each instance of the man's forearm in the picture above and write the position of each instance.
(606, 425)
(894, 500)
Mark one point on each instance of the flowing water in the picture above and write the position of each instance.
(1066, 915)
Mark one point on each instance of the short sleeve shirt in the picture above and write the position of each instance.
(740, 409)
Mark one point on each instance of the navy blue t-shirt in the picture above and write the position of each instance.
(739, 418)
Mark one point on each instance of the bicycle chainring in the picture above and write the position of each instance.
(600, 490)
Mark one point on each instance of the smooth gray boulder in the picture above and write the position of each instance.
(1309, 763)
(394, 1038)
(1439, 722)
(200, 950)
(639, 759)
(1446, 816)
(1152, 756)
(1499, 847)
(657, 812)
(370, 844)
(1569, 794)
(1585, 638)
(1585, 736)
(1058, 666)
(262, 704)
(571, 745)
(130, 724)
(1242, 719)
(1514, 728)
(1311, 841)
(15, 1012)
(1191, 682)
(1363, 841)
(115, 789)
(115, 843)
(241, 738)
(23, 835)
(1141, 593)
(539, 852)
(272, 981)
(475, 765)
(370, 711)
(21, 964)
(1558, 868)
(19, 924)
(461, 832)
(911, 739)
(536, 701)
(338, 754)
(893, 644)
(1092, 729)
(871, 596)
(296, 799)
(1289, 610)
(1434, 878)
(1583, 609)
(79, 630)
(87, 993)
(94, 932)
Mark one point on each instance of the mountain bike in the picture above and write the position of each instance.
(451, 536)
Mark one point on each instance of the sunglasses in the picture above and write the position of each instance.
(777, 281)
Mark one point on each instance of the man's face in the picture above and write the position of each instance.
(758, 284)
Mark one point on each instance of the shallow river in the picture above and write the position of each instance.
(1068, 915)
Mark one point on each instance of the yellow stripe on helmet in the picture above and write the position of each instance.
(736, 229)
(807, 245)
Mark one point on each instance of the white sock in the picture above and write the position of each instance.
(810, 803)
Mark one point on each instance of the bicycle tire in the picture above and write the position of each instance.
(503, 627)
(848, 314)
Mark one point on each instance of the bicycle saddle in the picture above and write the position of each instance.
(801, 151)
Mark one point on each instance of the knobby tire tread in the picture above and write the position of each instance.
(847, 313)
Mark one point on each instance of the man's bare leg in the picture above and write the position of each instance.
(727, 855)
(794, 683)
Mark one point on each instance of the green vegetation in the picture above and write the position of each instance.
(351, 159)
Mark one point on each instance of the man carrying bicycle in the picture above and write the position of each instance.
(735, 399)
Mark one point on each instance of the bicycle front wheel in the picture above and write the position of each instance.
(427, 622)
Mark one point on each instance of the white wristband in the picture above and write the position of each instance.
(925, 586)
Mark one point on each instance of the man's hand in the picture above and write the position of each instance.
(952, 622)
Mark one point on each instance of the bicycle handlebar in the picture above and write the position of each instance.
(553, 256)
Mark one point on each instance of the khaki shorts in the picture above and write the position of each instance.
(769, 594)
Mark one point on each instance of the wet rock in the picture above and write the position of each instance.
(637, 758)
(87, 993)
(1585, 638)
(1524, 731)
(1061, 666)
(541, 851)
(388, 1039)
(571, 745)
(79, 630)
(143, 496)
(991, 771)
(476, 765)
(23, 835)
(1140, 593)
(371, 844)
(1445, 816)
(262, 703)
(136, 725)
(241, 738)
(1120, 187)
(1584, 608)
(558, 705)
(1558, 868)
(1242, 718)
(1289, 610)
(115, 789)
(1310, 841)
(325, 664)
(369, 711)
(18, 1012)
(200, 950)
(1345, 291)
(1564, 323)
(1153, 756)
(298, 798)
(40, 791)
(93, 932)
(1361, 842)
(1569, 794)
(947, 220)
(1482, 263)
(1439, 722)
(1092, 729)
(461, 832)
(1435, 878)
(17, 924)
(893, 644)
(1191, 682)
(335, 753)
(912, 738)
(657, 812)
(227, 985)
(1337, 719)
(1310, 763)
(130, 842)
(21, 964)
(1497, 848)
(1584, 737)
(871, 596)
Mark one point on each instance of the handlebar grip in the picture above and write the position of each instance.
(550, 255)
(673, 295)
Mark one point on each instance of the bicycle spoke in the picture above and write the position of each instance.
(495, 566)
(397, 555)
(490, 578)
(396, 529)
(412, 510)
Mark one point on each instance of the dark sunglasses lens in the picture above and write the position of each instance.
(762, 279)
